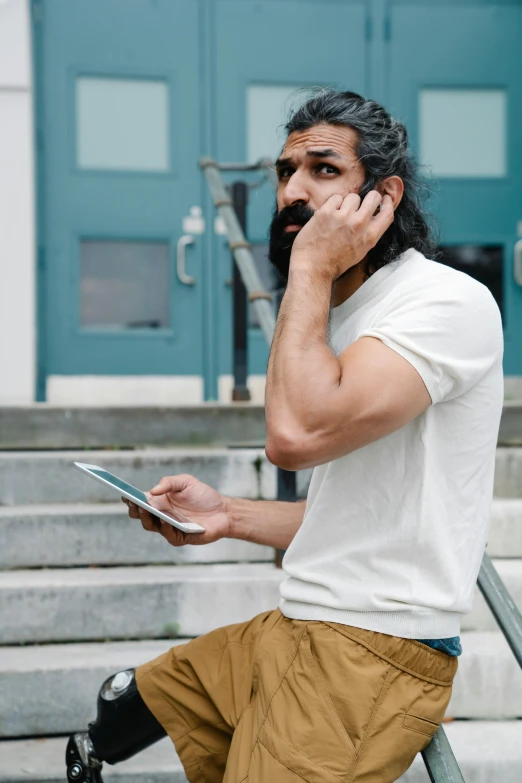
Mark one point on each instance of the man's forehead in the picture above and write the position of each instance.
(338, 138)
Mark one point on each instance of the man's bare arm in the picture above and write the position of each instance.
(269, 522)
(320, 406)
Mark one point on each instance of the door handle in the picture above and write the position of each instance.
(183, 241)
(517, 262)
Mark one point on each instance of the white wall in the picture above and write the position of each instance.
(17, 250)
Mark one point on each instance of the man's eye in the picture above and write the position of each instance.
(284, 173)
(326, 168)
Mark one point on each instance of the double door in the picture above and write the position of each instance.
(133, 92)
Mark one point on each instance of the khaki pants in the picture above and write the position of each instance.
(284, 701)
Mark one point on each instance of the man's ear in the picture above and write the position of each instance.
(393, 187)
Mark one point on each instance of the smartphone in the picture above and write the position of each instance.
(137, 496)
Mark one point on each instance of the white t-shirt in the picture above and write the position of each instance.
(394, 532)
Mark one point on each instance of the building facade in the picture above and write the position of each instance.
(114, 276)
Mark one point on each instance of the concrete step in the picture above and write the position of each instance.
(52, 689)
(488, 684)
(49, 477)
(148, 602)
(505, 532)
(43, 426)
(486, 751)
(101, 534)
(42, 761)
(137, 602)
(77, 604)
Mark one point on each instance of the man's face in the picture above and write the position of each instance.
(315, 164)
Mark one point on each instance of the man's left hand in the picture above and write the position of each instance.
(341, 233)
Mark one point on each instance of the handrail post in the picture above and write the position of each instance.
(240, 392)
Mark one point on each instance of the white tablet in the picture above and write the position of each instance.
(138, 497)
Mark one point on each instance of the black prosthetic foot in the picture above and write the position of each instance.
(82, 764)
(123, 727)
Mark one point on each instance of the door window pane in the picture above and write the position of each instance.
(267, 111)
(122, 124)
(124, 285)
(463, 132)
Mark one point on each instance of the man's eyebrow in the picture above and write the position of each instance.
(328, 153)
(281, 162)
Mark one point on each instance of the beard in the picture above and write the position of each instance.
(281, 241)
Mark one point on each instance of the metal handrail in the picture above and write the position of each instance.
(438, 757)
(439, 760)
(502, 606)
(240, 248)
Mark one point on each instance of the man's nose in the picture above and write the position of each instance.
(295, 191)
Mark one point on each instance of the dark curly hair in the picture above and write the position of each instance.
(383, 151)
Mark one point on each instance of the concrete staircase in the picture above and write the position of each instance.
(84, 591)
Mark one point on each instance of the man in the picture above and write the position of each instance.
(385, 375)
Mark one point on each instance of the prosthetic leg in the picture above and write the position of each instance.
(123, 727)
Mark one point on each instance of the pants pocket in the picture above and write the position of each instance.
(420, 725)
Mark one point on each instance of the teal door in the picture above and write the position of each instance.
(131, 93)
(265, 51)
(454, 77)
(119, 115)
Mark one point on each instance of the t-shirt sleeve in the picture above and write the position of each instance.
(450, 331)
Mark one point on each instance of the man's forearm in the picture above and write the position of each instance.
(269, 522)
(303, 373)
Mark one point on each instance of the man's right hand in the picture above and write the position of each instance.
(195, 500)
